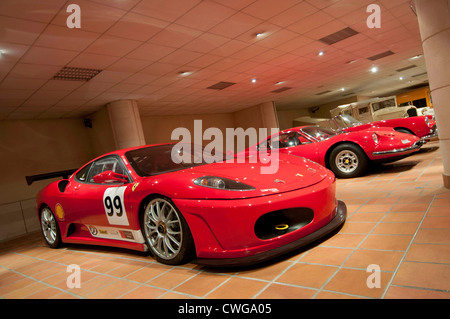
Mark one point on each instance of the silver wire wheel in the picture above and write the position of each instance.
(347, 161)
(166, 232)
(50, 228)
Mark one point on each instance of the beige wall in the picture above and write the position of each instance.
(286, 117)
(101, 135)
(34, 147)
(39, 146)
(158, 129)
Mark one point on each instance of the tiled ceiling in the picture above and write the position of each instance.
(167, 53)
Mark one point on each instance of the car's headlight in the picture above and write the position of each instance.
(375, 137)
(222, 183)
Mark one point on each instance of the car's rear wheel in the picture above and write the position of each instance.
(348, 160)
(50, 228)
(166, 232)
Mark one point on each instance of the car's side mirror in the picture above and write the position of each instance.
(110, 177)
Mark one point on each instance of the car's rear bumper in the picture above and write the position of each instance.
(339, 218)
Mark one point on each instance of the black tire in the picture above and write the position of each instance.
(166, 232)
(50, 228)
(348, 161)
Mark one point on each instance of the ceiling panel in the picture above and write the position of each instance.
(143, 46)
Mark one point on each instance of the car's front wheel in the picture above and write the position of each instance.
(166, 232)
(348, 160)
(50, 228)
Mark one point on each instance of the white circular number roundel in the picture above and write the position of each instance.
(113, 202)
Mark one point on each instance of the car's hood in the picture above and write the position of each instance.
(289, 173)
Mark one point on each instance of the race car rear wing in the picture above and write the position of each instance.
(64, 174)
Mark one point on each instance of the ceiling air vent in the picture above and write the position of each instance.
(381, 55)
(285, 88)
(420, 74)
(339, 36)
(221, 85)
(76, 74)
(324, 92)
(406, 68)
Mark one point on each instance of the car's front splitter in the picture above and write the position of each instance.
(341, 214)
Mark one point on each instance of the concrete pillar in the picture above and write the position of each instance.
(434, 24)
(268, 115)
(126, 123)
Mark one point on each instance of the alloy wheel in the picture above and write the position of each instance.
(163, 229)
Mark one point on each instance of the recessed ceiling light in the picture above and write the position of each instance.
(374, 69)
(253, 80)
(415, 57)
(342, 89)
(401, 78)
(321, 53)
(259, 34)
(279, 83)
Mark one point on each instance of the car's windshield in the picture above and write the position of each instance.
(345, 120)
(166, 158)
(318, 133)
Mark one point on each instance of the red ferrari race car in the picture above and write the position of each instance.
(222, 213)
(346, 154)
(420, 126)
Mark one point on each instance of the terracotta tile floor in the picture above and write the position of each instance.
(398, 219)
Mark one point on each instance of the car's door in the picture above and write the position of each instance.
(100, 196)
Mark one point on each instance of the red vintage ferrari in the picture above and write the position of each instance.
(223, 213)
(347, 154)
(420, 126)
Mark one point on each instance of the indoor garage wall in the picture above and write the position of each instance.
(158, 129)
(35, 147)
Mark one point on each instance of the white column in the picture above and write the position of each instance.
(434, 24)
(126, 123)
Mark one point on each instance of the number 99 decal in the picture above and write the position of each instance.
(113, 202)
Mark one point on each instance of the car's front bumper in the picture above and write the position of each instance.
(230, 232)
(338, 220)
(433, 134)
(401, 151)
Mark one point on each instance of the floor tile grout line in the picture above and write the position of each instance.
(123, 278)
(184, 281)
(298, 260)
(217, 287)
(278, 276)
(354, 249)
(423, 171)
(99, 273)
(407, 249)
(421, 288)
(40, 281)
